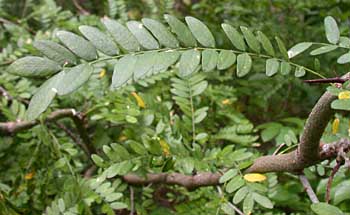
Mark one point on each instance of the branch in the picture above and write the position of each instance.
(80, 8)
(5, 94)
(189, 182)
(330, 180)
(310, 192)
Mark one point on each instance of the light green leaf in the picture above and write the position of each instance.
(100, 40)
(199, 88)
(234, 36)
(32, 66)
(123, 71)
(324, 49)
(209, 60)
(344, 42)
(227, 209)
(137, 147)
(181, 30)
(322, 208)
(240, 195)
(342, 192)
(282, 48)
(285, 68)
(113, 197)
(77, 45)
(332, 30)
(228, 175)
(200, 31)
(272, 66)
(262, 200)
(74, 78)
(266, 44)
(299, 72)
(244, 64)
(97, 160)
(161, 33)
(145, 64)
(343, 59)
(55, 51)
(234, 184)
(121, 35)
(298, 49)
(270, 132)
(226, 59)
(343, 104)
(189, 62)
(142, 35)
(248, 204)
(43, 97)
(253, 43)
(118, 205)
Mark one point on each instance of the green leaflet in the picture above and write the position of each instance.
(228, 175)
(142, 35)
(253, 43)
(161, 33)
(189, 62)
(322, 208)
(298, 49)
(43, 97)
(200, 31)
(299, 72)
(343, 59)
(77, 45)
(123, 71)
(343, 104)
(55, 51)
(226, 59)
(73, 78)
(262, 200)
(244, 64)
(234, 36)
(266, 44)
(181, 30)
(282, 48)
(100, 40)
(240, 195)
(209, 60)
(285, 68)
(121, 35)
(324, 49)
(234, 184)
(32, 66)
(248, 204)
(332, 30)
(342, 192)
(272, 66)
(344, 42)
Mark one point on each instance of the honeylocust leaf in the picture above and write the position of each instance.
(332, 30)
(285, 68)
(272, 66)
(298, 49)
(32, 66)
(244, 64)
(142, 35)
(322, 208)
(200, 31)
(253, 43)
(343, 59)
(189, 62)
(248, 204)
(323, 49)
(262, 200)
(299, 72)
(341, 104)
(100, 40)
(181, 30)
(240, 195)
(74, 78)
(77, 45)
(164, 36)
(55, 51)
(282, 48)
(234, 184)
(123, 71)
(234, 36)
(266, 44)
(209, 60)
(228, 175)
(226, 59)
(254, 177)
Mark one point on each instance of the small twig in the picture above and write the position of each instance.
(132, 205)
(80, 8)
(278, 148)
(307, 186)
(229, 203)
(90, 171)
(327, 80)
(5, 94)
(330, 180)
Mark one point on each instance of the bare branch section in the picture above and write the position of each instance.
(307, 186)
(190, 182)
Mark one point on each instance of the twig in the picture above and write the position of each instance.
(330, 180)
(310, 192)
(278, 148)
(5, 94)
(327, 80)
(80, 8)
(132, 204)
(229, 203)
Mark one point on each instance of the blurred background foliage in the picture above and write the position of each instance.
(43, 169)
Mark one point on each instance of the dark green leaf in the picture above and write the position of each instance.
(77, 45)
(253, 43)
(123, 71)
(142, 35)
(244, 64)
(285, 68)
(100, 40)
(55, 51)
(73, 78)
(161, 33)
(322, 208)
(226, 59)
(32, 66)
(181, 30)
(200, 31)
(282, 48)
(266, 44)
(234, 36)
(323, 49)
